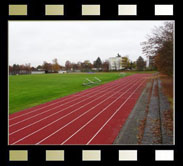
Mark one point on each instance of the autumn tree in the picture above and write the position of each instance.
(140, 63)
(55, 65)
(33, 68)
(20, 69)
(125, 62)
(86, 66)
(27, 67)
(79, 65)
(68, 65)
(47, 67)
(105, 66)
(160, 45)
(10, 69)
(75, 66)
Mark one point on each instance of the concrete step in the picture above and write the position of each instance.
(152, 130)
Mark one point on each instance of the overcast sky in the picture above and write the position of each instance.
(37, 41)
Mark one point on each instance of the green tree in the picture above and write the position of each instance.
(140, 63)
(98, 63)
(39, 67)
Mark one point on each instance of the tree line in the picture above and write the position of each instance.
(20, 69)
(85, 66)
(55, 67)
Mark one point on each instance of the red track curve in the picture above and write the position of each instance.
(92, 116)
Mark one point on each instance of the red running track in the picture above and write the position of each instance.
(92, 116)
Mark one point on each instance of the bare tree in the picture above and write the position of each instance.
(105, 66)
(68, 65)
(160, 45)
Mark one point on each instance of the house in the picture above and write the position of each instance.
(38, 72)
(115, 63)
(96, 69)
(62, 71)
(150, 62)
(19, 72)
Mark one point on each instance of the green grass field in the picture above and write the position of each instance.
(26, 91)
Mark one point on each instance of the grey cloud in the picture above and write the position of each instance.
(37, 41)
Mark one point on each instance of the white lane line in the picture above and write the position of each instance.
(103, 86)
(85, 124)
(114, 114)
(83, 127)
(95, 94)
(85, 113)
(87, 94)
(74, 95)
(66, 115)
(67, 108)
